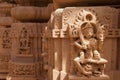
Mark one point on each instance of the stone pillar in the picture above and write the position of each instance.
(27, 17)
(5, 48)
(118, 54)
(24, 52)
(32, 14)
(42, 52)
(5, 41)
(68, 3)
(57, 43)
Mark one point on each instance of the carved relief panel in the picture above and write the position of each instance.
(26, 60)
(21, 69)
(23, 39)
(25, 42)
(76, 17)
(5, 46)
(80, 31)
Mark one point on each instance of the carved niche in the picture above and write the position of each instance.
(23, 36)
(24, 42)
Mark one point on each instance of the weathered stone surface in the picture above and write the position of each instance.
(5, 48)
(62, 35)
(6, 21)
(5, 8)
(25, 13)
(33, 2)
(45, 51)
(68, 3)
(26, 61)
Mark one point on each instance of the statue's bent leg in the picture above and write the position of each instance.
(80, 67)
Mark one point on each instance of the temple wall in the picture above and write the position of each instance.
(49, 38)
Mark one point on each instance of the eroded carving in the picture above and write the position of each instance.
(25, 42)
(6, 39)
(89, 43)
(22, 69)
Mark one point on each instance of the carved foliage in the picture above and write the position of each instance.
(22, 69)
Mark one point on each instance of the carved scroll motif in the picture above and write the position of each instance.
(22, 69)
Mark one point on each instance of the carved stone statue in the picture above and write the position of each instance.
(90, 63)
(25, 43)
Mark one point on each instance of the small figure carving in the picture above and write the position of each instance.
(6, 39)
(89, 62)
(25, 42)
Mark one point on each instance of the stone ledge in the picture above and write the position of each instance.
(3, 76)
(72, 77)
(20, 78)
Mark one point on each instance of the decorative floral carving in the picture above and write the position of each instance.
(22, 69)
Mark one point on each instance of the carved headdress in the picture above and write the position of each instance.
(88, 25)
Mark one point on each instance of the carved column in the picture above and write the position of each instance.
(35, 13)
(5, 48)
(5, 40)
(57, 43)
(27, 38)
(24, 52)
(118, 58)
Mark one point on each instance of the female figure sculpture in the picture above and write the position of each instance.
(89, 62)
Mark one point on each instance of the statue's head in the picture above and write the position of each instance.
(87, 30)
